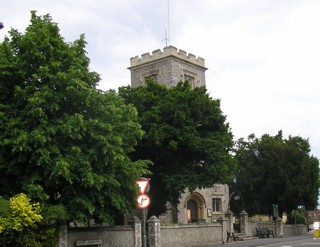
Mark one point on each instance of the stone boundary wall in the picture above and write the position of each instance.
(294, 230)
(253, 224)
(280, 229)
(286, 231)
(167, 236)
(115, 236)
(167, 51)
(191, 235)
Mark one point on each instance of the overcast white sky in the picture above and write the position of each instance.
(263, 56)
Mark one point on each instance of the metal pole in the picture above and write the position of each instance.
(295, 222)
(144, 242)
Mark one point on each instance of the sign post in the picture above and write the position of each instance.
(143, 202)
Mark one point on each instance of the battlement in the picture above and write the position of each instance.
(167, 52)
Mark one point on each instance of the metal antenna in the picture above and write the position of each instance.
(168, 5)
(167, 35)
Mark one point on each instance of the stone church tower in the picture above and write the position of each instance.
(168, 67)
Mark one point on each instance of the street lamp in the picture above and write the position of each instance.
(1, 25)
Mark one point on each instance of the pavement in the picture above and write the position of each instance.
(262, 241)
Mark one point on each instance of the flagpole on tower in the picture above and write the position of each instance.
(167, 30)
(168, 4)
(168, 11)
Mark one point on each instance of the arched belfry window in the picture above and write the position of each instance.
(194, 205)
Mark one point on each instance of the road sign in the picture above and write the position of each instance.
(143, 184)
(143, 201)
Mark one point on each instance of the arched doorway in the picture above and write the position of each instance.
(192, 211)
(194, 204)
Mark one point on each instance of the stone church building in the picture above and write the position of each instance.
(168, 67)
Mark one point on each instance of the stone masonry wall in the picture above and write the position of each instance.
(288, 230)
(191, 235)
(169, 67)
(115, 236)
(217, 191)
(294, 230)
(167, 51)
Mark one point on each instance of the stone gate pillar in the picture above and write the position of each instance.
(136, 224)
(244, 222)
(279, 228)
(63, 236)
(229, 216)
(154, 232)
(224, 225)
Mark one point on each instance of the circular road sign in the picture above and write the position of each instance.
(143, 201)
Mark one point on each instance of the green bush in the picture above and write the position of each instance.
(296, 217)
(24, 224)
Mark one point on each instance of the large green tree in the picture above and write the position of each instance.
(63, 141)
(186, 137)
(276, 170)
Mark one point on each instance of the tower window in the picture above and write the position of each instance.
(150, 75)
(190, 80)
(216, 205)
(153, 77)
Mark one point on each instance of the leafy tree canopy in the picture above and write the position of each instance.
(62, 141)
(186, 137)
(18, 214)
(275, 170)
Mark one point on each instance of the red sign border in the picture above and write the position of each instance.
(148, 200)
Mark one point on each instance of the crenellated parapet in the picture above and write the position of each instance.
(168, 67)
(167, 52)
